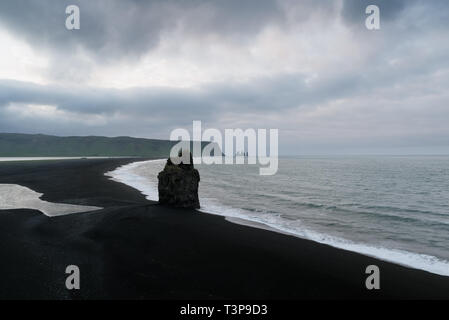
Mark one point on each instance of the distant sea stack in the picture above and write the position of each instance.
(178, 185)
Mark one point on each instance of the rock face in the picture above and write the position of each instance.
(178, 185)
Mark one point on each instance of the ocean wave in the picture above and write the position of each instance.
(424, 217)
(386, 212)
(414, 260)
(411, 218)
(128, 174)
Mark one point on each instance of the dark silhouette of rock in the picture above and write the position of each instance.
(178, 185)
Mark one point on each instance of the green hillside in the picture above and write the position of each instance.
(28, 145)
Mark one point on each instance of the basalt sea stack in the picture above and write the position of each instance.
(178, 185)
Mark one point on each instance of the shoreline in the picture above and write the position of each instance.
(137, 249)
(13, 159)
(126, 175)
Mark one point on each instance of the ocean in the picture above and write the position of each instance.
(395, 208)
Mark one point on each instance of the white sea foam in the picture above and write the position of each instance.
(13, 196)
(129, 175)
(136, 175)
(414, 260)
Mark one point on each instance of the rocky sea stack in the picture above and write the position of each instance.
(178, 185)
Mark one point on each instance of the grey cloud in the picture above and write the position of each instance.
(353, 11)
(434, 12)
(370, 117)
(271, 94)
(263, 96)
(116, 29)
(385, 104)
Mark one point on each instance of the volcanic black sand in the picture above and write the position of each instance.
(136, 249)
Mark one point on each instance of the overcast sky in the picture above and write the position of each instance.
(309, 68)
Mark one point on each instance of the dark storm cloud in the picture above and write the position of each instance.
(153, 111)
(173, 103)
(397, 92)
(117, 28)
(270, 94)
(353, 11)
(113, 29)
(85, 100)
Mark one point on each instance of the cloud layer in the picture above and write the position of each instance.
(309, 68)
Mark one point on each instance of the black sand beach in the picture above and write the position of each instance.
(137, 249)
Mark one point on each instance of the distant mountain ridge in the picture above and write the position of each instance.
(40, 145)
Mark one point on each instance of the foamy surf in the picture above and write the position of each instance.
(144, 178)
(128, 174)
(414, 260)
